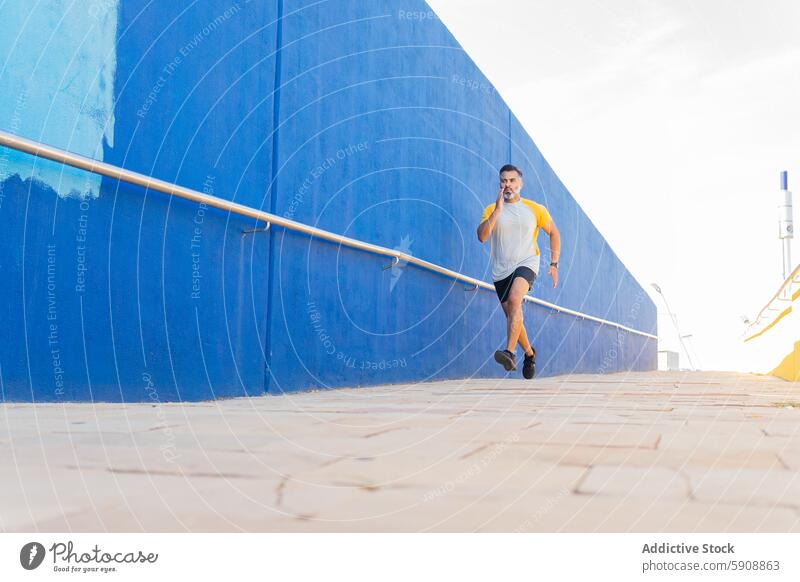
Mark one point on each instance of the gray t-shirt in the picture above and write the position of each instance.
(514, 236)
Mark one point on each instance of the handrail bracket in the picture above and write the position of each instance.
(255, 230)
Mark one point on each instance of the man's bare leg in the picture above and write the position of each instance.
(523, 335)
(513, 309)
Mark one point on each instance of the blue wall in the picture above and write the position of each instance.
(366, 119)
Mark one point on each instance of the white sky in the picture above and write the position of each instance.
(669, 121)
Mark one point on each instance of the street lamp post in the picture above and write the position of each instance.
(689, 337)
(675, 323)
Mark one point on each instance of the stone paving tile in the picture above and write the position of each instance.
(592, 435)
(623, 452)
(166, 505)
(644, 458)
(74, 492)
(746, 486)
(432, 480)
(586, 513)
(387, 508)
(653, 483)
(790, 458)
(553, 513)
(245, 465)
(780, 429)
(751, 439)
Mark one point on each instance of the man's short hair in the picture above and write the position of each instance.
(510, 168)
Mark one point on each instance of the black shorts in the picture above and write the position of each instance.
(504, 285)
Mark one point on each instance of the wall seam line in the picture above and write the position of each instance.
(276, 101)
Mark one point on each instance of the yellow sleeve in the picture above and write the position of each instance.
(543, 217)
(540, 212)
(487, 212)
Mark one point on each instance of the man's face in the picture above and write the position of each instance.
(512, 185)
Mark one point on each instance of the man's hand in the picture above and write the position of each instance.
(554, 274)
(485, 227)
(555, 249)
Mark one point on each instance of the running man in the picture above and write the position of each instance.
(513, 223)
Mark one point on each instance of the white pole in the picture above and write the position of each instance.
(785, 224)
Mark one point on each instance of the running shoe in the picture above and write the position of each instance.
(506, 359)
(529, 366)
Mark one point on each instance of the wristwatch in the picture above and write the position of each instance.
(554, 264)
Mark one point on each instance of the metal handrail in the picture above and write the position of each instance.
(77, 161)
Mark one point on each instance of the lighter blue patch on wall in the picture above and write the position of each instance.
(57, 68)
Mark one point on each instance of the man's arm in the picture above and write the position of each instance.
(555, 241)
(485, 228)
(555, 249)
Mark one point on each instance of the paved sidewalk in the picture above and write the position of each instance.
(624, 452)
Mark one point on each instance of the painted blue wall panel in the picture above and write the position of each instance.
(174, 301)
(57, 75)
(194, 106)
(195, 94)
